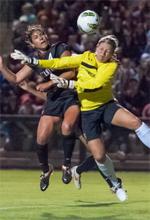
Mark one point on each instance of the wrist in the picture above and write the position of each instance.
(32, 61)
(71, 84)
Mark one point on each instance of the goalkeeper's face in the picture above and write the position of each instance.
(104, 52)
(39, 40)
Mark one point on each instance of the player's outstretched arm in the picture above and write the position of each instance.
(18, 55)
(27, 87)
(56, 63)
(12, 77)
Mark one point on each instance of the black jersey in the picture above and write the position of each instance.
(58, 99)
(55, 51)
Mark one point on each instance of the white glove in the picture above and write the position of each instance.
(18, 55)
(46, 73)
(61, 82)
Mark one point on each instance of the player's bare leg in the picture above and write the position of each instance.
(126, 119)
(44, 131)
(68, 124)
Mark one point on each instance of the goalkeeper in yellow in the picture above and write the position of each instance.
(93, 84)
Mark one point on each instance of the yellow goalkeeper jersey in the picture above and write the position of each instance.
(93, 79)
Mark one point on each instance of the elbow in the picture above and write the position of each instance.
(14, 80)
(17, 82)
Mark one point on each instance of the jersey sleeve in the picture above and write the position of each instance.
(61, 48)
(102, 77)
(62, 63)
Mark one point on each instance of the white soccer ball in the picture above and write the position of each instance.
(88, 22)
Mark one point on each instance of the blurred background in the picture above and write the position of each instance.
(129, 20)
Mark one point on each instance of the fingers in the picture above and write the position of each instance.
(40, 87)
(18, 51)
(61, 83)
(14, 56)
(53, 76)
(55, 80)
(18, 55)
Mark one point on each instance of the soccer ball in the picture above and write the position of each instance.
(88, 22)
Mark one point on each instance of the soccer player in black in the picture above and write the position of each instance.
(61, 104)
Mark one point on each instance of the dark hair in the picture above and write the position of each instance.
(31, 29)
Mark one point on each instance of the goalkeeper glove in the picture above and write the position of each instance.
(18, 55)
(61, 82)
(46, 73)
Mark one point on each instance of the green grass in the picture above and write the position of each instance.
(20, 198)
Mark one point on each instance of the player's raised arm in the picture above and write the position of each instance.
(57, 63)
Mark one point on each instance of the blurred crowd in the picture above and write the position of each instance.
(127, 19)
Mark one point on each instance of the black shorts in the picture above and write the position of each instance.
(59, 106)
(91, 120)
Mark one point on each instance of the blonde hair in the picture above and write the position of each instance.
(112, 40)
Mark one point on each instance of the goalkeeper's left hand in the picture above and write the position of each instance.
(18, 55)
(61, 82)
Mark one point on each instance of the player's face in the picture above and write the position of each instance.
(104, 52)
(39, 40)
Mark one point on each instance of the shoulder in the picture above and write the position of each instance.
(88, 55)
(34, 54)
(59, 44)
(58, 48)
(112, 66)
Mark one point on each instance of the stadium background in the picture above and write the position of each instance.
(20, 197)
(129, 21)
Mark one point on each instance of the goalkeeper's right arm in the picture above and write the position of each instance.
(56, 63)
(62, 63)
(18, 55)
